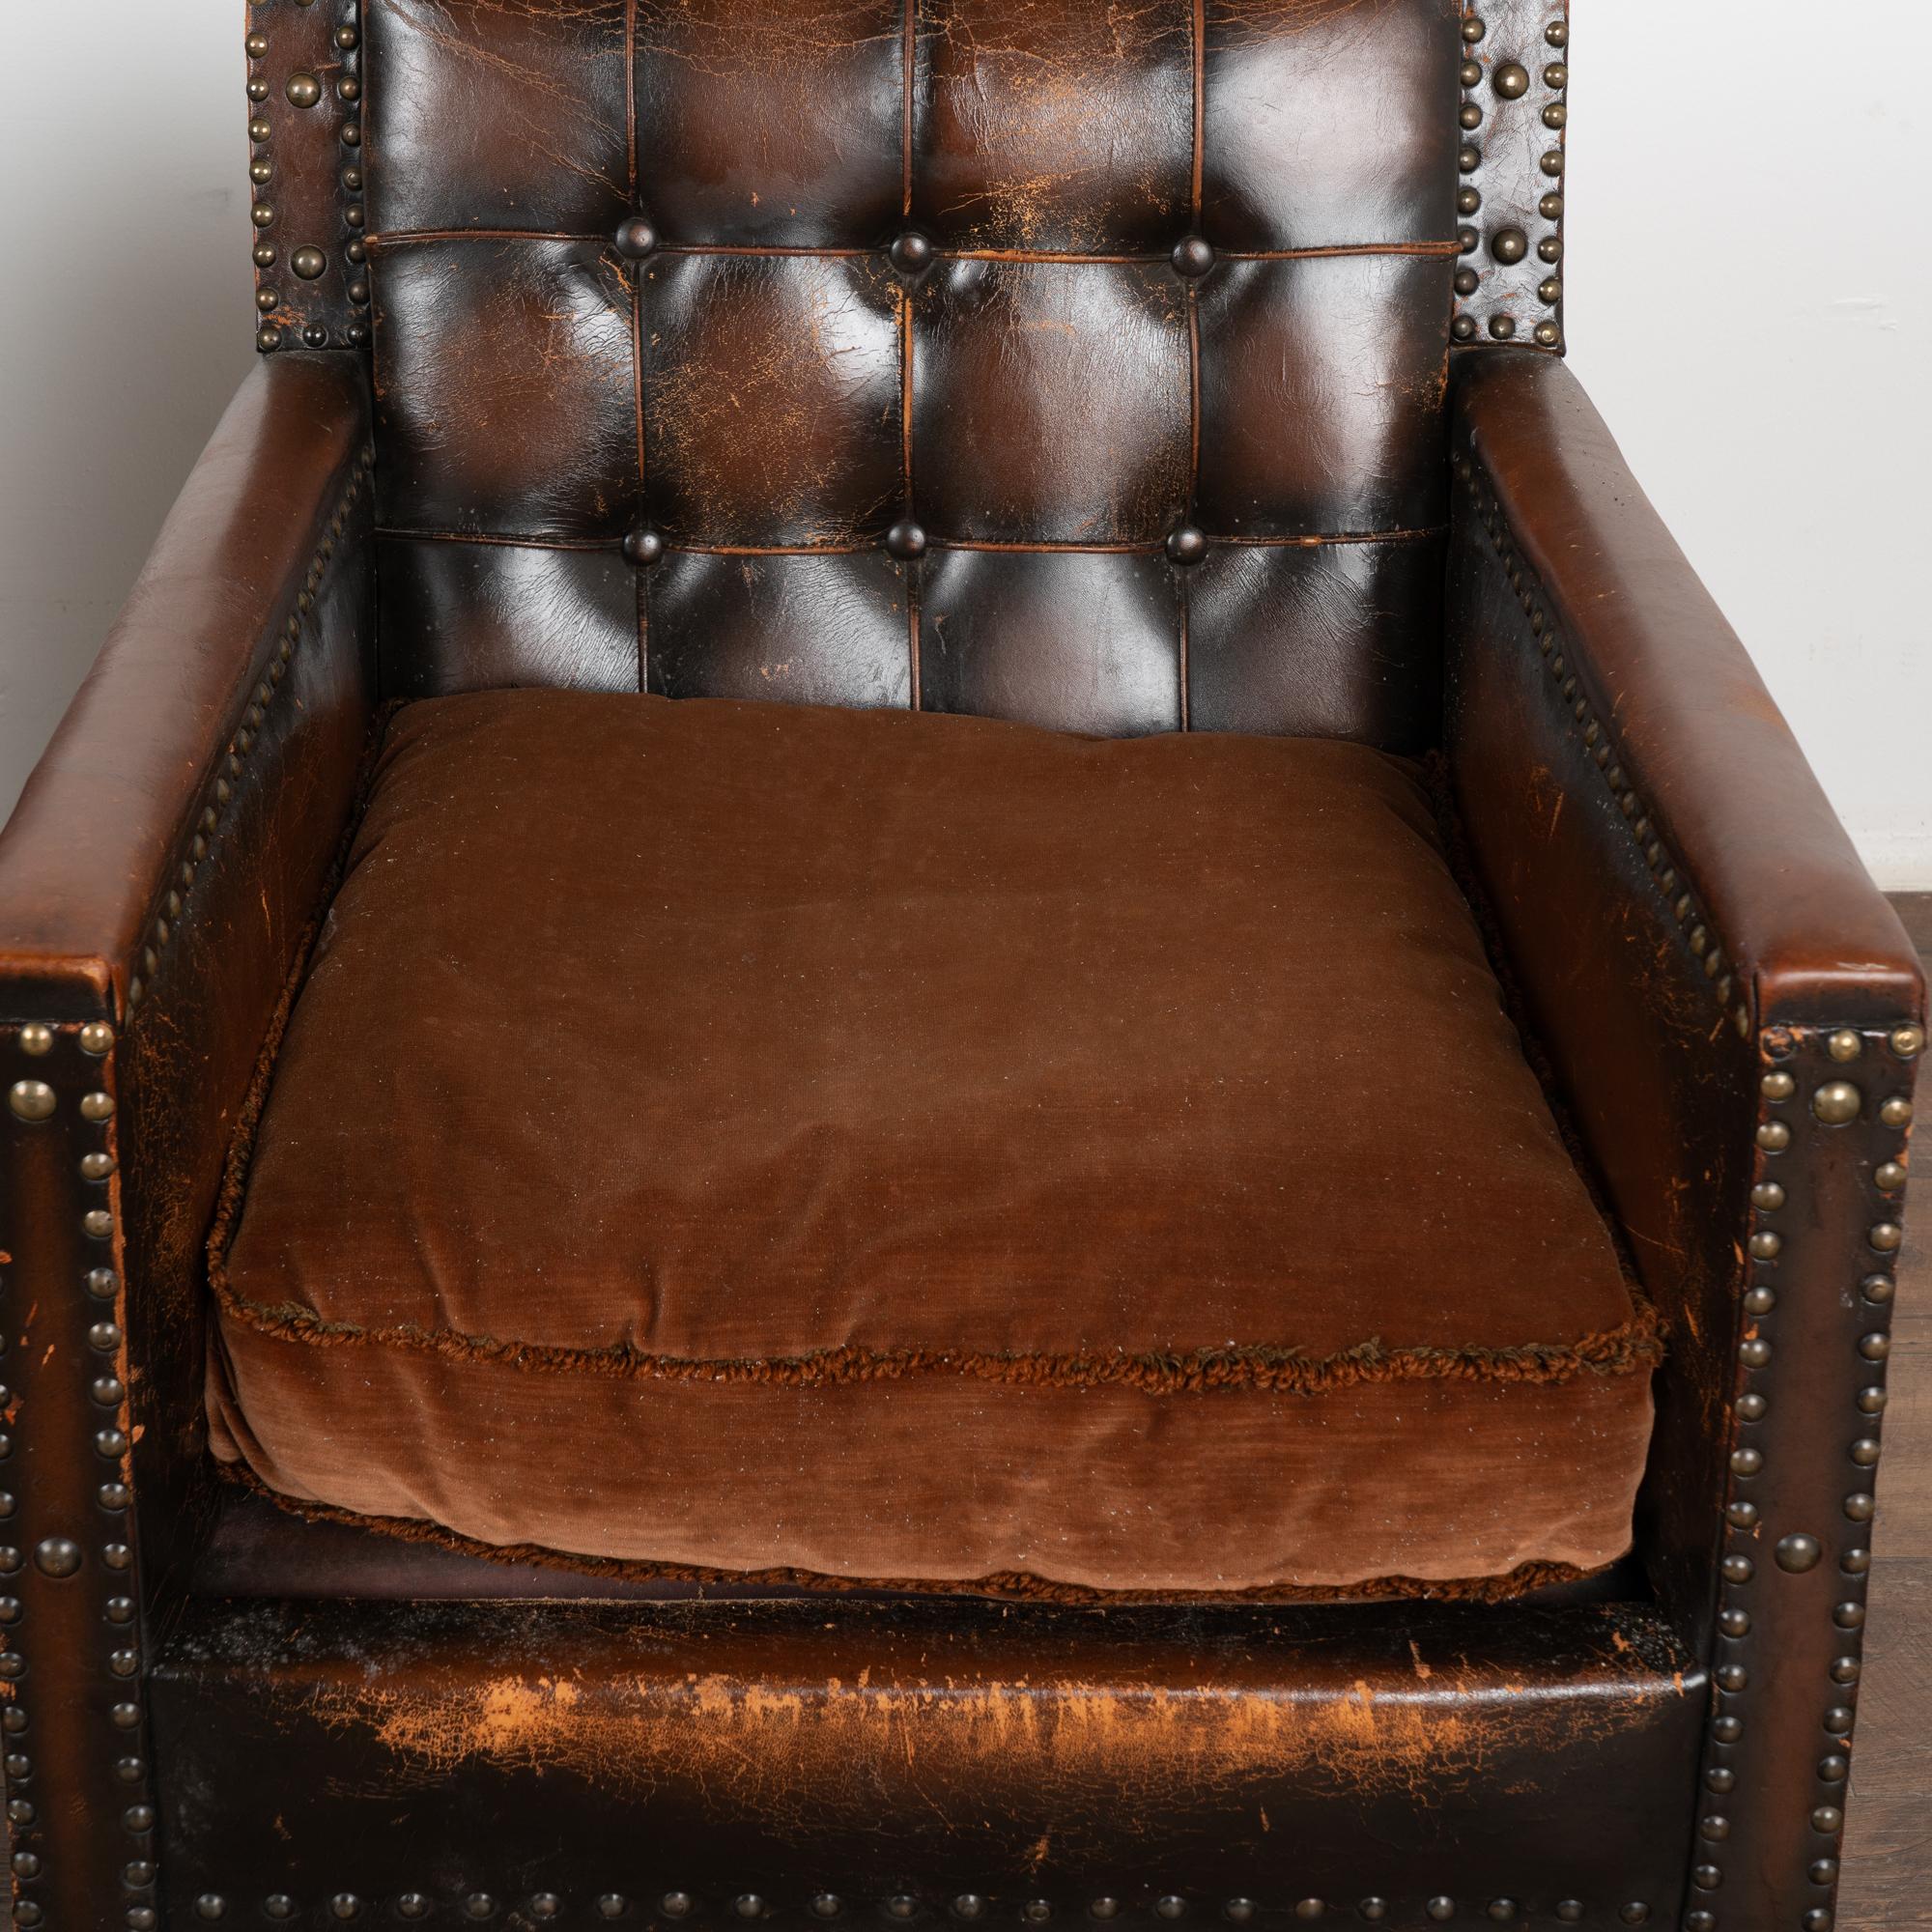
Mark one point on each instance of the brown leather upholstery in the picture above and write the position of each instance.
(952, 1149)
(1028, 407)
(816, 445)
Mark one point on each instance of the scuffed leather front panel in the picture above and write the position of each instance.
(772, 454)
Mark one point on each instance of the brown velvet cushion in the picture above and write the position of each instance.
(916, 1147)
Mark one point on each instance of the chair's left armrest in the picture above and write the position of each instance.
(156, 882)
(1733, 1014)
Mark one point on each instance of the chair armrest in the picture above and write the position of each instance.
(1734, 1015)
(1803, 930)
(156, 882)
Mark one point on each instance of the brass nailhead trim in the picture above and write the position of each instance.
(1835, 1104)
(1595, 736)
(62, 1560)
(1509, 80)
(212, 818)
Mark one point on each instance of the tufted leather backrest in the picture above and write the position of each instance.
(1080, 361)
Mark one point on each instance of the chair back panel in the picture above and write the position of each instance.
(1072, 361)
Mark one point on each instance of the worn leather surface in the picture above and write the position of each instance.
(1512, 168)
(778, 1753)
(165, 858)
(1808, 934)
(305, 163)
(1685, 922)
(1000, 1103)
(771, 390)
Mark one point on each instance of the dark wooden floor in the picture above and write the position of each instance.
(1887, 1865)
(1888, 1881)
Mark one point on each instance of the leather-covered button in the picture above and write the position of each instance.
(1186, 545)
(643, 547)
(910, 253)
(636, 238)
(1192, 257)
(906, 538)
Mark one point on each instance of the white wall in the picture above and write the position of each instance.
(1749, 301)
(125, 317)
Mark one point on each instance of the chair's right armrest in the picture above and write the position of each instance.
(1735, 1016)
(156, 883)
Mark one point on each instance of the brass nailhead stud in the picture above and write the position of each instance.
(1751, 1407)
(1509, 245)
(1888, 1237)
(1799, 1553)
(1895, 1113)
(32, 1100)
(1440, 1907)
(1777, 1086)
(57, 1557)
(1186, 545)
(1844, 1044)
(1171, 1906)
(309, 262)
(906, 539)
(1888, 1177)
(1908, 1041)
(303, 90)
(546, 1905)
(37, 1041)
(96, 1107)
(1774, 1136)
(675, 1905)
(1473, 29)
(1754, 1354)
(644, 548)
(1768, 1194)
(256, 46)
(609, 1905)
(413, 1905)
(1310, 1907)
(1838, 1102)
(1373, 1908)
(1502, 326)
(1511, 80)
(1037, 1911)
(1558, 34)
(1764, 1245)
(969, 1905)
(1239, 1911)
(1568, 1909)
(95, 1038)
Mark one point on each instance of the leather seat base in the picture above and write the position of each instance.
(918, 1151)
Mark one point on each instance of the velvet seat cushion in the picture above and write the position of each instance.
(919, 1149)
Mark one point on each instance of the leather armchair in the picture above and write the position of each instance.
(217, 1711)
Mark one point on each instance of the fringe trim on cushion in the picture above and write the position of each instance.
(1006, 1585)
